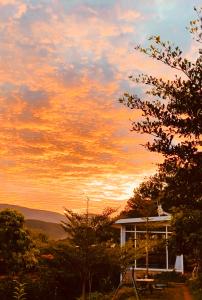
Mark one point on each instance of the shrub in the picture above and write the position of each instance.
(170, 276)
(125, 293)
(196, 287)
(19, 291)
(6, 289)
(98, 296)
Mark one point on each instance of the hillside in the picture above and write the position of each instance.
(36, 214)
(52, 230)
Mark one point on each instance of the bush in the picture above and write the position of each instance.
(125, 293)
(6, 289)
(98, 296)
(19, 291)
(196, 287)
(170, 276)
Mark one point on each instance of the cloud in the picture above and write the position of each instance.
(35, 98)
(62, 131)
(12, 9)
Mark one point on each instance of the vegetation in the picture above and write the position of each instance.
(172, 116)
(170, 277)
(60, 265)
(88, 262)
(144, 201)
(17, 249)
(196, 287)
(19, 291)
(91, 237)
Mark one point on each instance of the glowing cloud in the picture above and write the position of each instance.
(63, 66)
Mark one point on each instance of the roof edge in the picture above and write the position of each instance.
(143, 220)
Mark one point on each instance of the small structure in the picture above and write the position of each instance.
(151, 228)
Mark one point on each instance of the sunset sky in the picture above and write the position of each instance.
(63, 66)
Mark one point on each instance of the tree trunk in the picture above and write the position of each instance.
(90, 285)
(83, 295)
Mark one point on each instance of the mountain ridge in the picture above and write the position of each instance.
(53, 230)
(36, 214)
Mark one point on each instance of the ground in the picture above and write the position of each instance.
(174, 291)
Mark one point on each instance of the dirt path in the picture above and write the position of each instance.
(174, 292)
(178, 292)
(181, 292)
(187, 295)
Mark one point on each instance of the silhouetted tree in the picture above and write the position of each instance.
(145, 200)
(91, 237)
(17, 251)
(172, 115)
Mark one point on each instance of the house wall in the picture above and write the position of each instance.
(164, 261)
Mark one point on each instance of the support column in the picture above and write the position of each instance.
(182, 263)
(167, 265)
(123, 235)
(179, 264)
(135, 237)
(122, 242)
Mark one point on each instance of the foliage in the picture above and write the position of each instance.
(188, 231)
(6, 288)
(175, 109)
(54, 277)
(179, 115)
(125, 293)
(19, 291)
(40, 238)
(84, 229)
(172, 116)
(91, 238)
(196, 287)
(60, 264)
(16, 247)
(170, 277)
(98, 296)
(195, 26)
(144, 201)
(127, 254)
(59, 267)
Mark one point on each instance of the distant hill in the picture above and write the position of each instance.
(52, 230)
(36, 214)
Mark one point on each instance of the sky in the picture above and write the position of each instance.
(63, 65)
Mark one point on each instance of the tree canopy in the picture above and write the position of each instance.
(145, 199)
(172, 116)
(91, 237)
(17, 250)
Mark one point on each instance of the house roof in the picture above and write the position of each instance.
(143, 220)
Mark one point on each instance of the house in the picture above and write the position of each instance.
(156, 229)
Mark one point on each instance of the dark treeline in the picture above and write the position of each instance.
(88, 260)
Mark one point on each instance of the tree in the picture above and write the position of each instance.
(17, 250)
(145, 199)
(91, 237)
(173, 117)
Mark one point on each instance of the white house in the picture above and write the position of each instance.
(156, 228)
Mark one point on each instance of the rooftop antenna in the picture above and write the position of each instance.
(87, 207)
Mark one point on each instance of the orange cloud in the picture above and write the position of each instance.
(62, 130)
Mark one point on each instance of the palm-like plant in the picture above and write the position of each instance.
(19, 291)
